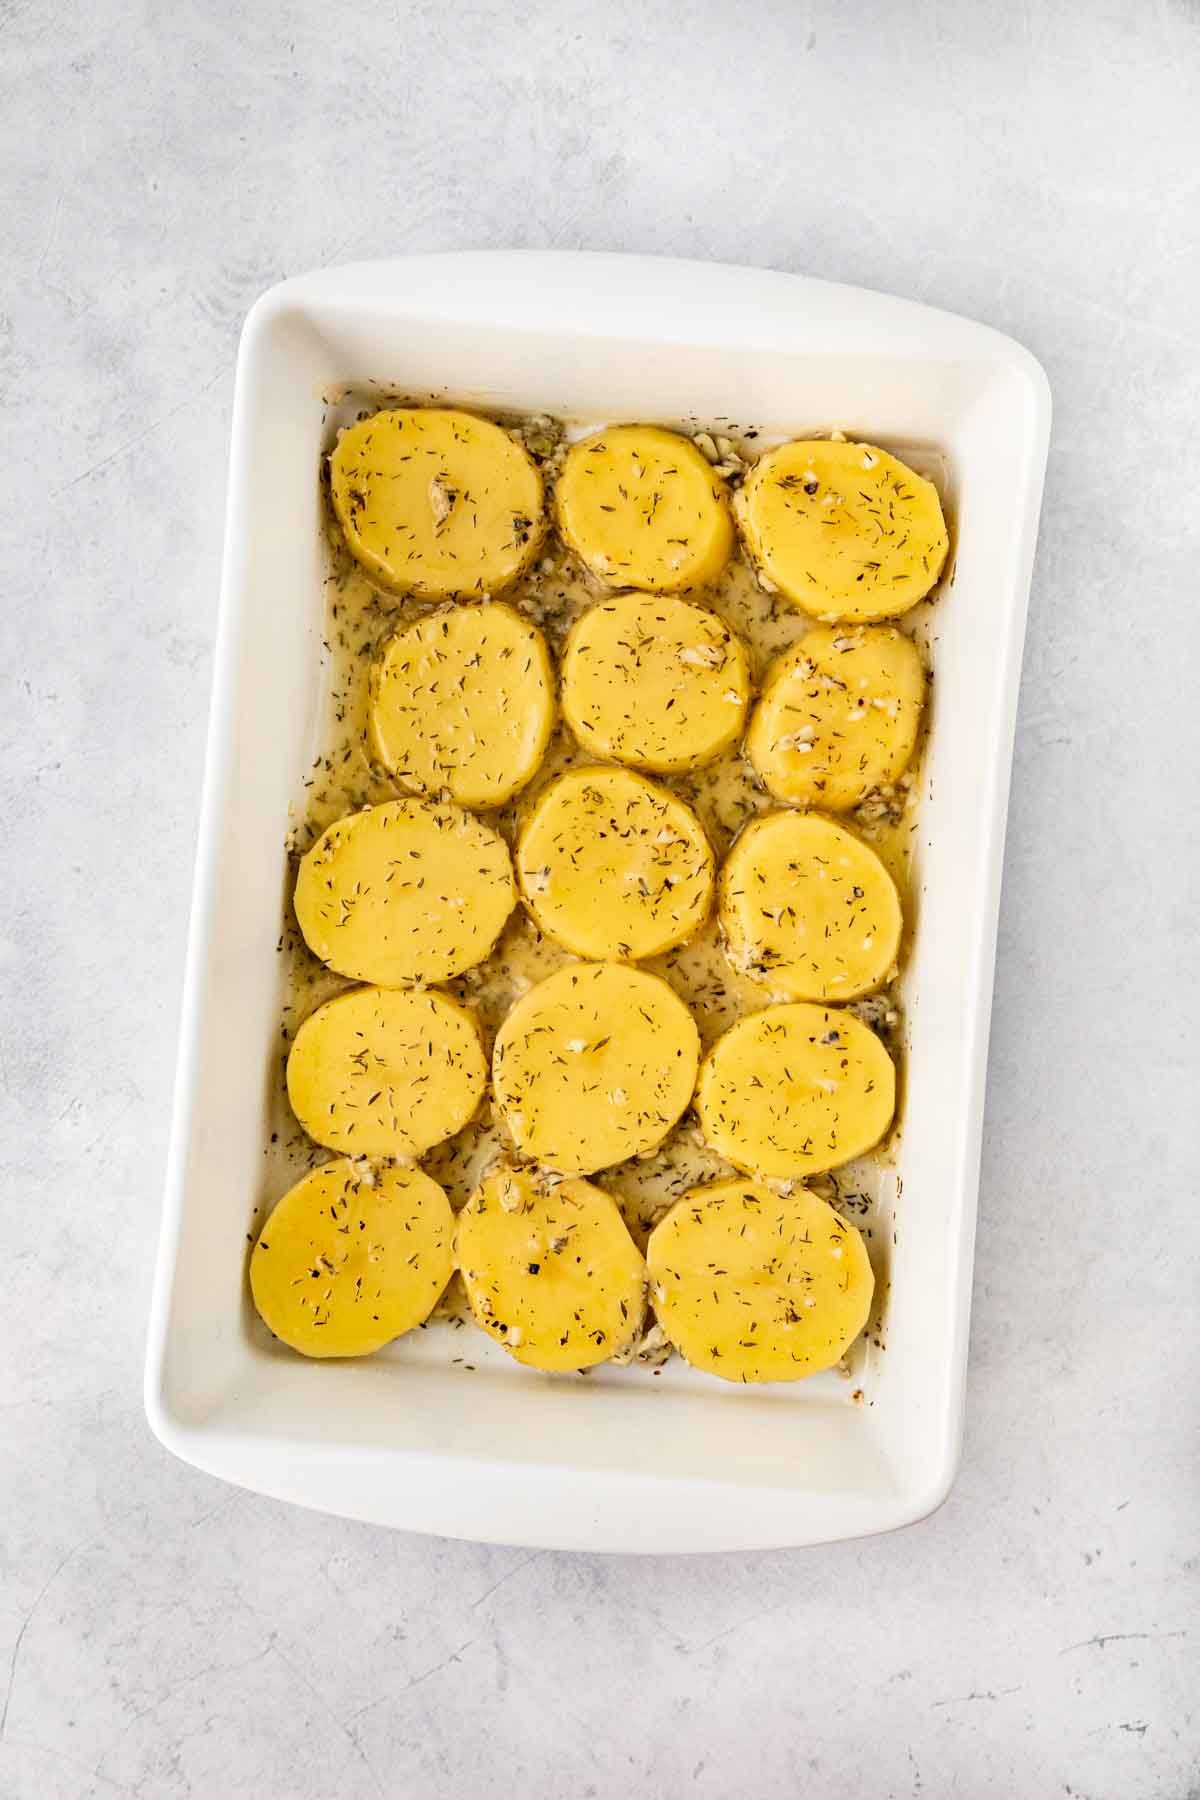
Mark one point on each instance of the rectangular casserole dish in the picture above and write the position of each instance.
(624, 1463)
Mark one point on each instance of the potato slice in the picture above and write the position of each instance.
(355, 1254)
(405, 892)
(612, 866)
(550, 1269)
(795, 1089)
(838, 716)
(643, 509)
(593, 1065)
(752, 1285)
(463, 701)
(807, 909)
(386, 1071)
(436, 503)
(843, 530)
(655, 682)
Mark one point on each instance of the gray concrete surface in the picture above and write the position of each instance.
(1035, 165)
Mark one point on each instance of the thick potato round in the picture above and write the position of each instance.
(550, 1269)
(463, 702)
(405, 892)
(794, 1090)
(386, 1071)
(843, 530)
(436, 503)
(808, 909)
(838, 716)
(353, 1255)
(654, 682)
(752, 1285)
(594, 1065)
(612, 866)
(643, 509)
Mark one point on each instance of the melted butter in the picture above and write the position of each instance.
(725, 795)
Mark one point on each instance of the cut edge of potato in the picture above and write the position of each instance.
(778, 1128)
(801, 506)
(832, 929)
(752, 1284)
(387, 862)
(666, 526)
(665, 716)
(658, 887)
(432, 759)
(426, 539)
(610, 1093)
(550, 1269)
(362, 1050)
(814, 741)
(356, 1253)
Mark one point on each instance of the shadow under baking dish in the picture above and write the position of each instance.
(616, 1460)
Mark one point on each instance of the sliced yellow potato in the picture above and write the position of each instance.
(386, 1071)
(838, 716)
(594, 1065)
(550, 1269)
(643, 509)
(464, 701)
(436, 503)
(355, 1254)
(843, 530)
(808, 909)
(612, 866)
(405, 892)
(752, 1285)
(795, 1089)
(655, 682)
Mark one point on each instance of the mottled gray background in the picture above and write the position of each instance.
(1035, 165)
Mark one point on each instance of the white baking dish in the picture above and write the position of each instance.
(624, 1462)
